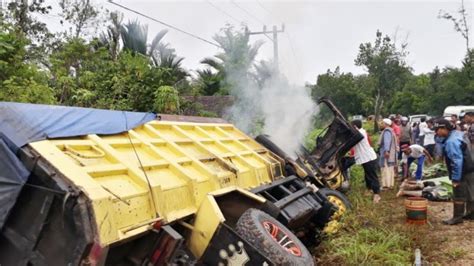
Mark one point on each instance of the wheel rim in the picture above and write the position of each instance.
(334, 225)
(341, 207)
(282, 238)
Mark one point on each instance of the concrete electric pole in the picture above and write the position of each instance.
(274, 39)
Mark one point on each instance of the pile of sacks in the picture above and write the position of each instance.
(435, 185)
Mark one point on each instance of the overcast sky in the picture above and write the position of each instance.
(318, 34)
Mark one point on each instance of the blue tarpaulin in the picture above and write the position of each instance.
(22, 123)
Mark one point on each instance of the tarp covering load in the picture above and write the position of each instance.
(12, 177)
(22, 123)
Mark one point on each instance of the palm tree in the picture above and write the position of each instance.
(238, 53)
(209, 81)
(233, 65)
(135, 38)
(111, 38)
(264, 70)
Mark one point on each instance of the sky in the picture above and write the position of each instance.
(318, 35)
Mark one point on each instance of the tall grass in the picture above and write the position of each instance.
(372, 234)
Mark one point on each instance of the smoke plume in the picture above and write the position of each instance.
(288, 111)
(276, 108)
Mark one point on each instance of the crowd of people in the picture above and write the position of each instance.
(401, 144)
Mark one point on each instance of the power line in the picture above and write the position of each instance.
(287, 36)
(166, 24)
(247, 12)
(263, 7)
(222, 11)
(252, 16)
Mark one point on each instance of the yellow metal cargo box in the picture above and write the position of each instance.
(178, 162)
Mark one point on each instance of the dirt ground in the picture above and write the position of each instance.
(440, 244)
(455, 244)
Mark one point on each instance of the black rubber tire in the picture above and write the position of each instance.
(250, 228)
(331, 192)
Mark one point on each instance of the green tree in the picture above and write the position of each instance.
(20, 80)
(135, 39)
(414, 97)
(166, 100)
(235, 64)
(82, 15)
(23, 16)
(209, 82)
(386, 65)
(344, 89)
(111, 37)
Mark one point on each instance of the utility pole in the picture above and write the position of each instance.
(274, 39)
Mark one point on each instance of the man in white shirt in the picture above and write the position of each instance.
(418, 153)
(429, 139)
(365, 155)
(422, 127)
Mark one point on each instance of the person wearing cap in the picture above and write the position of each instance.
(365, 155)
(388, 154)
(418, 153)
(459, 160)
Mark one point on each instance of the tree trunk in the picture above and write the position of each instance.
(378, 107)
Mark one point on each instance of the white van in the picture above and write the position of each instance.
(417, 118)
(457, 110)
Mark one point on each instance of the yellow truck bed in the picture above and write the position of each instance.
(178, 162)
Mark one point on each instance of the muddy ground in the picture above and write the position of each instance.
(439, 243)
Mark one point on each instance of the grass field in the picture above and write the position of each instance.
(377, 234)
(369, 235)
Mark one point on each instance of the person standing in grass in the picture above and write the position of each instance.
(388, 154)
(422, 127)
(415, 132)
(429, 142)
(459, 154)
(365, 155)
(405, 139)
(405, 134)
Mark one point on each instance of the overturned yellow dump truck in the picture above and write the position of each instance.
(164, 192)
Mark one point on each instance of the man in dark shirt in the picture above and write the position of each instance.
(459, 160)
(469, 123)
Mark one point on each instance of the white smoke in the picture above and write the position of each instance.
(288, 111)
(285, 111)
(246, 110)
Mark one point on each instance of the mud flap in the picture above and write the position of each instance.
(228, 248)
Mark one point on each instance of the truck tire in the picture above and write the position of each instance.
(336, 197)
(342, 203)
(265, 232)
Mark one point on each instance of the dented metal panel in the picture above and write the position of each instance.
(178, 162)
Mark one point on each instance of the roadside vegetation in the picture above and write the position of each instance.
(100, 60)
(371, 234)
